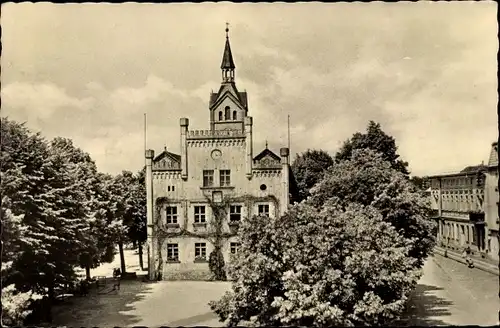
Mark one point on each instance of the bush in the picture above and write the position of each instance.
(216, 264)
(319, 268)
(15, 305)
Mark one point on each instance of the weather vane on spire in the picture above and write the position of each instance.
(227, 29)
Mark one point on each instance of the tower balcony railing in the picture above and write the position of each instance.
(202, 134)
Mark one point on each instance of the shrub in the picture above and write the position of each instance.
(216, 264)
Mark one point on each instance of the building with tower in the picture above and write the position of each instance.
(196, 200)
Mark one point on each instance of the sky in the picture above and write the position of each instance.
(427, 72)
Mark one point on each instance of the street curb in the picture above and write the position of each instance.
(477, 264)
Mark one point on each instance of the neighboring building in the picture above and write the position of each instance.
(216, 177)
(491, 198)
(465, 205)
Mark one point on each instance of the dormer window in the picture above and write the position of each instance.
(220, 116)
(234, 115)
(228, 113)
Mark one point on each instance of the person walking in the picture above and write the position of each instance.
(466, 255)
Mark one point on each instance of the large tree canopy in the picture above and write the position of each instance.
(308, 168)
(377, 140)
(367, 179)
(334, 267)
(58, 213)
(348, 255)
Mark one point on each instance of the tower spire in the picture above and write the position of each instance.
(227, 65)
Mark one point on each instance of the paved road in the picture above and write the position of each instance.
(449, 293)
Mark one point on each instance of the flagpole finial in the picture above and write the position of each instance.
(266, 144)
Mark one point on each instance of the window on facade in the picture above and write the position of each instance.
(234, 247)
(200, 251)
(235, 213)
(264, 210)
(220, 116)
(199, 214)
(171, 214)
(234, 115)
(168, 188)
(172, 252)
(208, 178)
(225, 178)
(227, 113)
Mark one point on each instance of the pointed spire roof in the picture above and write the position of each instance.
(227, 57)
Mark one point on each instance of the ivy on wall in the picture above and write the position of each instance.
(214, 233)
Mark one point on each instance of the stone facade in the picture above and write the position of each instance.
(466, 208)
(216, 169)
(491, 202)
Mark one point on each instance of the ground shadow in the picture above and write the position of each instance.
(424, 308)
(107, 307)
(194, 320)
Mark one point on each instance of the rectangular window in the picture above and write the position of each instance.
(171, 214)
(234, 247)
(235, 213)
(264, 210)
(208, 178)
(200, 251)
(199, 214)
(225, 178)
(172, 252)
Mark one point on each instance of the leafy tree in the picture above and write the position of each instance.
(377, 140)
(308, 169)
(33, 182)
(368, 179)
(129, 197)
(121, 210)
(421, 183)
(333, 267)
(24, 164)
(53, 216)
(15, 304)
(138, 228)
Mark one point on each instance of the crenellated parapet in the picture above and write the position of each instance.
(216, 143)
(221, 134)
(267, 173)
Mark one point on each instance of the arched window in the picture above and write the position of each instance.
(227, 114)
(234, 115)
(220, 116)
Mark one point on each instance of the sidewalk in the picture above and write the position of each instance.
(480, 263)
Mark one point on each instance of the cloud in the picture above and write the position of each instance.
(425, 71)
(45, 99)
